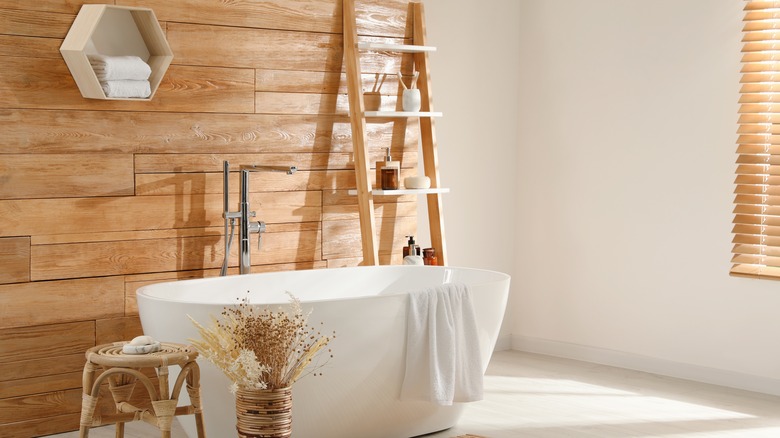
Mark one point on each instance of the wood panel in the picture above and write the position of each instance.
(64, 6)
(291, 81)
(194, 163)
(168, 184)
(124, 257)
(242, 47)
(310, 103)
(383, 17)
(75, 300)
(34, 23)
(15, 259)
(33, 47)
(254, 48)
(27, 369)
(300, 103)
(47, 83)
(299, 181)
(387, 210)
(54, 239)
(117, 329)
(377, 17)
(206, 90)
(341, 239)
(46, 341)
(40, 426)
(40, 406)
(40, 385)
(23, 217)
(180, 254)
(301, 15)
(384, 259)
(43, 131)
(64, 176)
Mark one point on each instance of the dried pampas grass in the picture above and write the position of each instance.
(258, 348)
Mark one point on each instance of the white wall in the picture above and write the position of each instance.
(599, 137)
(627, 120)
(475, 85)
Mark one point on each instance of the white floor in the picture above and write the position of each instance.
(528, 395)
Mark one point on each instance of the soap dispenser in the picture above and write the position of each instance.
(379, 165)
(390, 173)
(411, 248)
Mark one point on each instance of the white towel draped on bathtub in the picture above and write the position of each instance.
(443, 362)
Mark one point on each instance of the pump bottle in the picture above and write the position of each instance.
(412, 248)
(390, 173)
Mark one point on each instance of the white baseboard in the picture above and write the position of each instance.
(647, 364)
(503, 343)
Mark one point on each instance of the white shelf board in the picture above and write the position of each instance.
(403, 114)
(405, 48)
(380, 192)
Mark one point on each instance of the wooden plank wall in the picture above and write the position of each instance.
(98, 198)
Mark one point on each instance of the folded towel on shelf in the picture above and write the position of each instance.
(443, 359)
(117, 68)
(127, 89)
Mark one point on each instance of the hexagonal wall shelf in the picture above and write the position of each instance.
(114, 31)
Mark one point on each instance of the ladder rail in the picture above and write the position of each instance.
(428, 137)
(359, 138)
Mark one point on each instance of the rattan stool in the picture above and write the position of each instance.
(122, 372)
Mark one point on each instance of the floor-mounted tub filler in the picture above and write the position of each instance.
(358, 394)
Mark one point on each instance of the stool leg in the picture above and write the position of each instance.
(165, 410)
(193, 389)
(88, 402)
(121, 386)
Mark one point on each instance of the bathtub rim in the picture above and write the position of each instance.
(143, 291)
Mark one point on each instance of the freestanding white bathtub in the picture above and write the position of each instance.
(358, 394)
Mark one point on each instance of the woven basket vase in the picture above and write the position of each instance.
(264, 413)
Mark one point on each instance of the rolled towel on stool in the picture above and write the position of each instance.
(117, 68)
(127, 89)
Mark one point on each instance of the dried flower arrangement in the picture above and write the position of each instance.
(261, 348)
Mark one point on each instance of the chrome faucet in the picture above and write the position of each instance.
(243, 215)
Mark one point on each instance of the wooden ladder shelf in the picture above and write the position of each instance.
(358, 114)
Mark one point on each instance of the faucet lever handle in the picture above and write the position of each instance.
(260, 231)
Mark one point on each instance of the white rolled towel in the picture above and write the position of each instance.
(127, 89)
(117, 68)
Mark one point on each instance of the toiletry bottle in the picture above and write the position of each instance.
(391, 173)
(379, 165)
(411, 248)
(429, 257)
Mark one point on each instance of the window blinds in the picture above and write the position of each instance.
(756, 251)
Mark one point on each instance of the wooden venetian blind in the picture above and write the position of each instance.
(757, 202)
